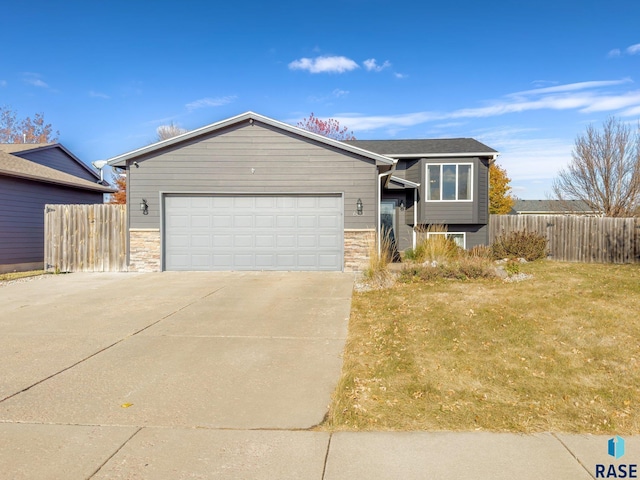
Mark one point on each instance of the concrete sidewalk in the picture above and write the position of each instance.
(30, 451)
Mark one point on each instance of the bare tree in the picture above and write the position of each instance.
(605, 170)
(165, 132)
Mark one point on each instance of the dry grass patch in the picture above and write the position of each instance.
(556, 353)
(5, 277)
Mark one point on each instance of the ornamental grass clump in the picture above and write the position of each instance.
(377, 271)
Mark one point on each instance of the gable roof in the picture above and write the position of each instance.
(14, 166)
(121, 160)
(426, 147)
(23, 148)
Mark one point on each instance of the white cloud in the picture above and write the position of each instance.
(633, 49)
(34, 79)
(585, 97)
(98, 95)
(210, 102)
(324, 64)
(400, 75)
(372, 66)
(614, 53)
(574, 86)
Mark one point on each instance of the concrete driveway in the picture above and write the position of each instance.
(87, 361)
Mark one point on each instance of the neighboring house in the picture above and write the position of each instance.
(553, 207)
(32, 175)
(252, 193)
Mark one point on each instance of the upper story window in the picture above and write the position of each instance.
(449, 181)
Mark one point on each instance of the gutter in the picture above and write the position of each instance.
(491, 155)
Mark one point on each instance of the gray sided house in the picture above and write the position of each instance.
(252, 193)
(439, 182)
(31, 176)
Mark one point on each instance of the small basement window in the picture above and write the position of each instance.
(459, 237)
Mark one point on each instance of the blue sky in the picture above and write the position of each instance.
(523, 77)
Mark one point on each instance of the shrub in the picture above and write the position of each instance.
(481, 251)
(520, 244)
(464, 268)
(434, 248)
(512, 267)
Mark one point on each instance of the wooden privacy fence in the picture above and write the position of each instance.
(577, 238)
(85, 238)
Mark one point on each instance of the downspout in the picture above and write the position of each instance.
(415, 217)
(379, 187)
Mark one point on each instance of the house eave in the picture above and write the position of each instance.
(404, 182)
(491, 155)
(121, 160)
(36, 178)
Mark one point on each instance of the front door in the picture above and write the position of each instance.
(388, 225)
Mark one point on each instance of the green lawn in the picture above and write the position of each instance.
(559, 352)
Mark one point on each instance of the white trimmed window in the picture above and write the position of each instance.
(459, 237)
(449, 182)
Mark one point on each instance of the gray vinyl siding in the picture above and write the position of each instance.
(474, 234)
(22, 216)
(412, 170)
(455, 212)
(282, 163)
(57, 159)
(483, 191)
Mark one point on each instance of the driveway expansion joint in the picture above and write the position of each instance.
(115, 453)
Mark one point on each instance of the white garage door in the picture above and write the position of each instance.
(292, 232)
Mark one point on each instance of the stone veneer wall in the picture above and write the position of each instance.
(144, 250)
(356, 249)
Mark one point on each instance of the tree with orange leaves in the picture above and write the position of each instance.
(26, 130)
(120, 182)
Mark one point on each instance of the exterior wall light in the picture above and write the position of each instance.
(402, 206)
(144, 207)
(359, 206)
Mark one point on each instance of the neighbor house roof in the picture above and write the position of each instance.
(121, 160)
(551, 206)
(20, 148)
(426, 147)
(14, 166)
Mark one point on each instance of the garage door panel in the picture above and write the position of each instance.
(328, 221)
(222, 241)
(220, 202)
(265, 241)
(282, 232)
(265, 221)
(307, 221)
(243, 241)
(285, 221)
(329, 241)
(243, 202)
(200, 221)
(221, 221)
(243, 221)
